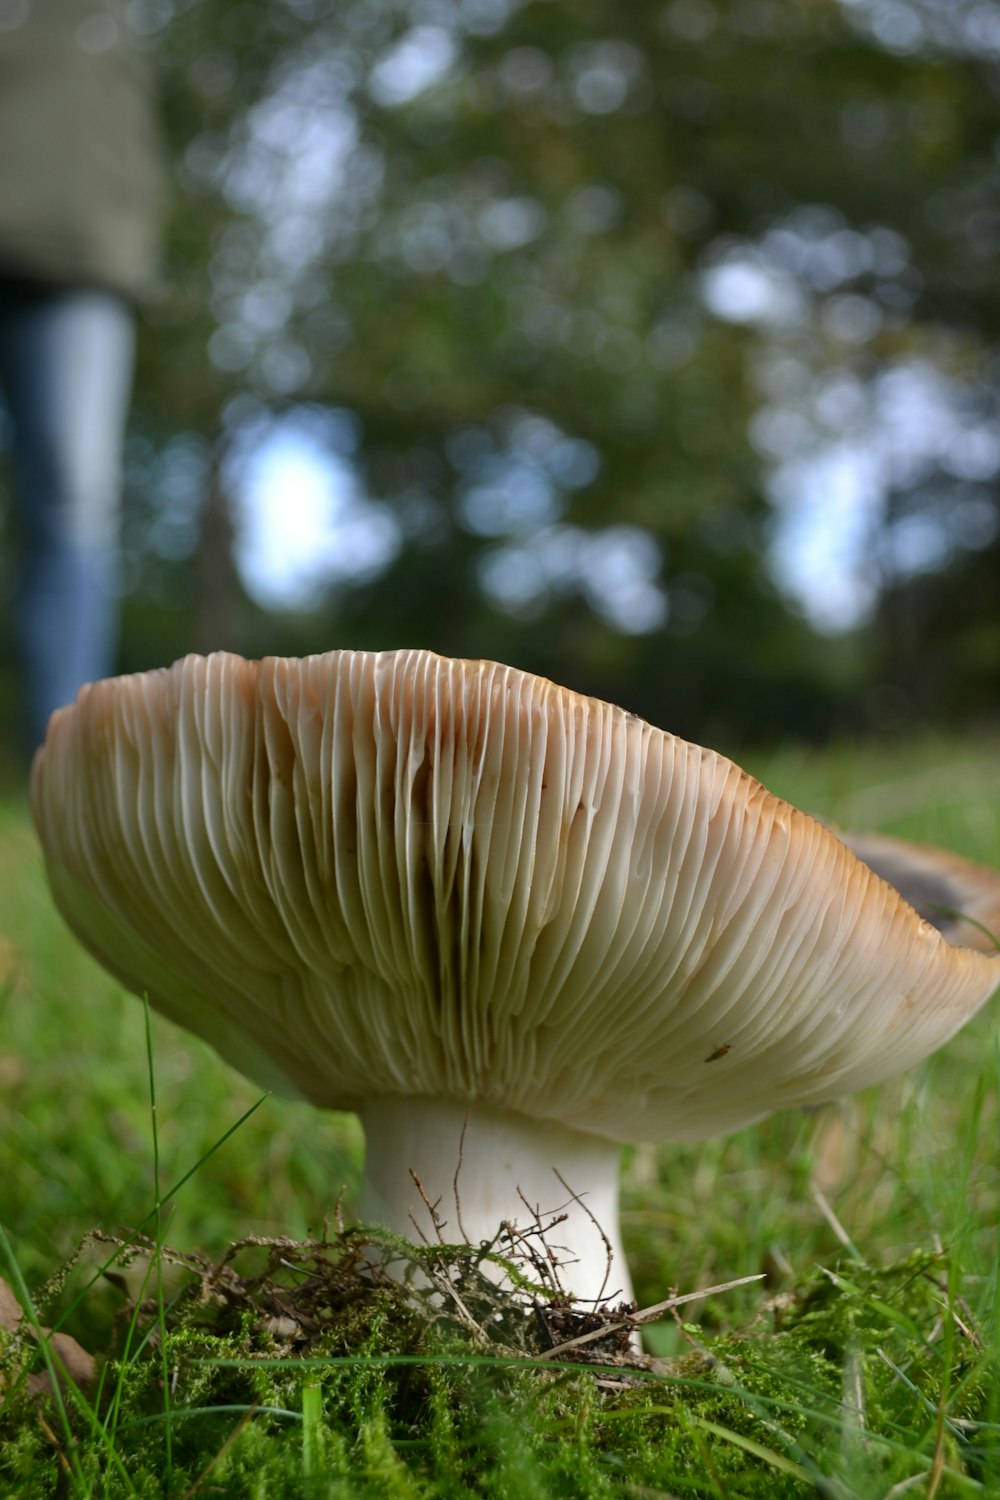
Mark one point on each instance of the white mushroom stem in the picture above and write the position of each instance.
(482, 1167)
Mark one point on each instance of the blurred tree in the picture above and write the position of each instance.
(595, 302)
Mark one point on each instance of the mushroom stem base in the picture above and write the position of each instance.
(482, 1167)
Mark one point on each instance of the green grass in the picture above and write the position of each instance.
(895, 1192)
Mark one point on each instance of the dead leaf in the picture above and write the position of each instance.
(10, 1309)
(70, 1356)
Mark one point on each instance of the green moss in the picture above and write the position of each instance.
(314, 1375)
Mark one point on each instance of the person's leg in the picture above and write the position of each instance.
(66, 362)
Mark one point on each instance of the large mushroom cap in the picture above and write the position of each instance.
(367, 874)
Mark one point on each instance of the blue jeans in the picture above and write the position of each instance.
(66, 360)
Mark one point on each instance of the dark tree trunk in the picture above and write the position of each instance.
(216, 622)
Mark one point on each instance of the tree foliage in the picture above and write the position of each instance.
(590, 303)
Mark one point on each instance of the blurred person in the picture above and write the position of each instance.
(78, 227)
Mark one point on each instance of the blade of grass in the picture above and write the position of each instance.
(756, 1450)
(110, 1424)
(217, 1458)
(166, 1198)
(158, 1243)
(182, 1413)
(901, 1321)
(312, 1417)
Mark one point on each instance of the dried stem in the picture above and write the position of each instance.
(647, 1314)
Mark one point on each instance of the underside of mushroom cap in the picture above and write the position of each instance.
(364, 874)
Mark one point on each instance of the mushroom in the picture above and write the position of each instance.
(511, 926)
